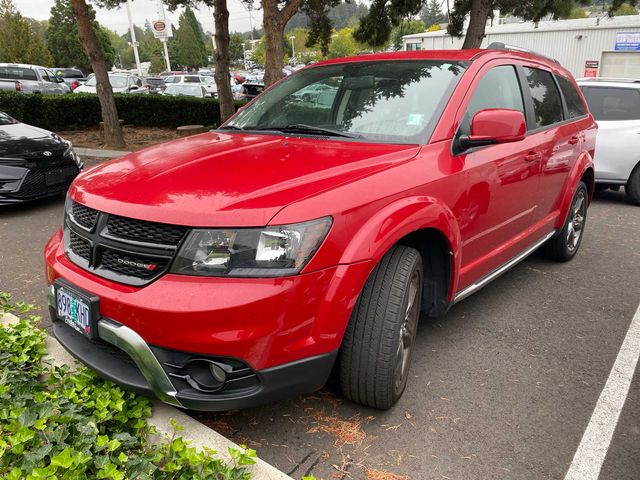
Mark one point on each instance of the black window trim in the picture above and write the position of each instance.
(529, 107)
(565, 106)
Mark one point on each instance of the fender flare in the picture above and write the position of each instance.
(584, 164)
(397, 220)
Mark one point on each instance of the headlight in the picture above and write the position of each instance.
(70, 152)
(261, 252)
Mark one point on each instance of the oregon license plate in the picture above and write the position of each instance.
(74, 310)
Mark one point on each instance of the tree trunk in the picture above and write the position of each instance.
(477, 22)
(225, 96)
(274, 21)
(112, 132)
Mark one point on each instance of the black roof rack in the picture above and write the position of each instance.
(514, 48)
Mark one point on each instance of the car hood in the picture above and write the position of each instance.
(89, 89)
(20, 139)
(228, 179)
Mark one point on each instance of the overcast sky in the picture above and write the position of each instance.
(142, 10)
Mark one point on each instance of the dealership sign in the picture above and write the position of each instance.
(162, 30)
(627, 41)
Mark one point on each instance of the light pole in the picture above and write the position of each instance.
(133, 38)
(244, 54)
(293, 48)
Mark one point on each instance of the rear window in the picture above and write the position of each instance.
(547, 106)
(575, 107)
(191, 79)
(611, 104)
(69, 73)
(18, 73)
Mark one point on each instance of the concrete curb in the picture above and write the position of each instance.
(196, 433)
(97, 153)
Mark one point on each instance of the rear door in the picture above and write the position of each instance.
(502, 196)
(617, 112)
(560, 139)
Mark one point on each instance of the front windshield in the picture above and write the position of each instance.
(394, 101)
(116, 82)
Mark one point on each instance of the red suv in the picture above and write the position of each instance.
(242, 265)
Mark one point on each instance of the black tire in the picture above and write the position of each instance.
(376, 350)
(633, 186)
(564, 246)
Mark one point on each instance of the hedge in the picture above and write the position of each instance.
(74, 111)
(59, 424)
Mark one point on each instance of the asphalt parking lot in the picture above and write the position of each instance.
(503, 386)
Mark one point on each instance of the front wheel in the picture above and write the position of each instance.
(564, 246)
(378, 343)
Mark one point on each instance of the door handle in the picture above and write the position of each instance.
(573, 140)
(532, 156)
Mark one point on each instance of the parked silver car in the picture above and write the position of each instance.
(615, 104)
(207, 82)
(31, 79)
(120, 83)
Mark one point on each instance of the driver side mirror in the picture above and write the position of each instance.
(493, 126)
(133, 87)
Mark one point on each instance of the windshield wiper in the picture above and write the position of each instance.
(304, 128)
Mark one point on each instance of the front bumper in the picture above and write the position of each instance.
(122, 356)
(283, 333)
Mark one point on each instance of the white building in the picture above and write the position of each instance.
(612, 43)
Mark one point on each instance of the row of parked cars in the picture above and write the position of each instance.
(375, 190)
(48, 81)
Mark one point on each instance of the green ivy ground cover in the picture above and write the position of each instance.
(57, 425)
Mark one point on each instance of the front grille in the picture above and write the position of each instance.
(35, 185)
(79, 246)
(142, 231)
(126, 250)
(84, 216)
(132, 265)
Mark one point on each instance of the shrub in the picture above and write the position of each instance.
(81, 110)
(76, 425)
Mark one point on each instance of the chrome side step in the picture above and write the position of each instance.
(474, 287)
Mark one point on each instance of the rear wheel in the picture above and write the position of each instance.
(378, 344)
(565, 245)
(633, 186)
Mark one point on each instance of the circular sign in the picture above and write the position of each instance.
(159, 26)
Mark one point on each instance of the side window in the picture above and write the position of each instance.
(614, 103)
(547, 105)
(138, 81)
(43, 74)
(575, 106)
(499, 88)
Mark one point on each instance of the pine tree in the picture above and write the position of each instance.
(188, 52)
(431, 13)
(19, 43)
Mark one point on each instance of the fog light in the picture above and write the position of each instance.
(217, 373)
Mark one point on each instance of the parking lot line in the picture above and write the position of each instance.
(595, 442)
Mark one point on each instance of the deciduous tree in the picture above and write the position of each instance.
(112, 132)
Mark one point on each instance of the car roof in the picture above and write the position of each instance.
(609, 82)
(22, 65)
(466, 55)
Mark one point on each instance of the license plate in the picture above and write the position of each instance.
(54, 177)
(75, 310)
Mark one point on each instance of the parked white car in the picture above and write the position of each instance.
(615, 104)
(120, 83)
(207, 82)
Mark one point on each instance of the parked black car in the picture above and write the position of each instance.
(155, 84)
(34, 163)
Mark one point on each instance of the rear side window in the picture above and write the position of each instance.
(575, 107)
(191, 79)
(499, 88)
(18, 73)
(614, 103)
(547, 106)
